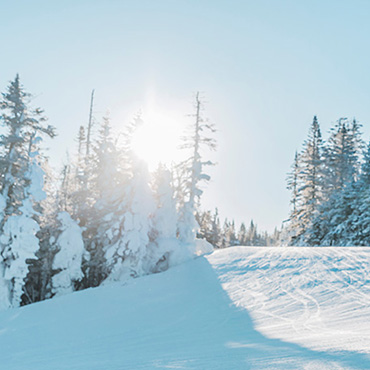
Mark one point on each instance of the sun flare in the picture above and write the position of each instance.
(158, 139)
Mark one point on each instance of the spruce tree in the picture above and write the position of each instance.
(242, 235)
(22, 184)
(197, 138)
(309, 184)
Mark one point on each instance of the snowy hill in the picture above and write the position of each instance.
(314, 302)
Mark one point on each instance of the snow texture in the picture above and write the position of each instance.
(183, 319)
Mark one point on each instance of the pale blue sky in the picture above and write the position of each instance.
(266, 67)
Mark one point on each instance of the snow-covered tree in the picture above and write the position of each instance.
(252, 235)
(21, 189)
(204, 220)
(19, 241)
(349, 211)
(306, 179)
(194, 141)
(242, 234)
(129, 234)
(165, 247)
(108, 184)
(21, 123)
(342, 156)
(215, 235)
(126, 256)
(165, 217)
(69, 253)
(293, 184)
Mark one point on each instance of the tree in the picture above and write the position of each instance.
(242, 235)
(127, 255)
(252, 235)
(195, 140)
(69, 253)
(330, 225)
(21, 123)
(342, 156)
(293, 184)
(164, 246)
(21, 189)
(215, 236)
(106, 180)
(310, 180)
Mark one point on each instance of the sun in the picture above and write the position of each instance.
(158, 139)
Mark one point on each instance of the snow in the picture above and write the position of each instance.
(68, 259)
(238, 308)
(20, 243)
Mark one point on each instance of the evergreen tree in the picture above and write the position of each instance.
(204, 220)
(127, 255)
(69, 253)
(215, 234)
(106, 180)
(242, 235)
(165, 245)
(310, 180)
(252, 235)
(194, 140)
(330, 226)
(342, 156)
(21, 123)
(127, 252)
(293, 184)
(21, 189)
(356, 226)
(232, 234)
(225, 238)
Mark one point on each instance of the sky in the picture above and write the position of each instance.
(264, 68)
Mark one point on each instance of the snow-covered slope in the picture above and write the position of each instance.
(317, 297)
(184, 319)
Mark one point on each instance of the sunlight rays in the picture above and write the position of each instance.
(159, 137)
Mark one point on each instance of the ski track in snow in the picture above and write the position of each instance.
(277, 309)
(318, 297)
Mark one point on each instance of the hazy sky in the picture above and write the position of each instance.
(265, 68)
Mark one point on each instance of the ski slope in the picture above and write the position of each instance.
(239, 308)
(318, 297)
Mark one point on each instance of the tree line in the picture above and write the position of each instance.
(330, 188)
(228, 235)
(103, 218)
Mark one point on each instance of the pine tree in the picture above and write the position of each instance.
(310, 180)
(128, 249)
(252, 235)
(357, 223)
(225, 235)
(69, 253)
(195, 140)
(21, 123)
(164, 246)
(330, 225)
(215, 235)
(21, 189)
(106, 180)
(232, 235)
(204, 220)
(293, 184)
(342, 156)
(127, 255)
(242, 235)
